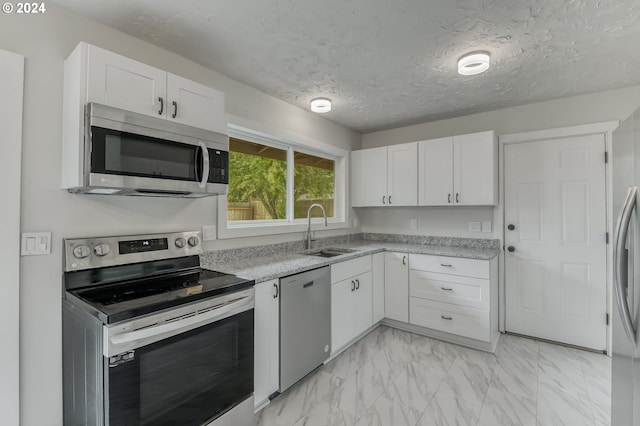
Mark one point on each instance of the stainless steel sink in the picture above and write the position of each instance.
(329, 252)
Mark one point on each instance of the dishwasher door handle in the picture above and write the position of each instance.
(309, 284)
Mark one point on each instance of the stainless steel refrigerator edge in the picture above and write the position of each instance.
(625, 375)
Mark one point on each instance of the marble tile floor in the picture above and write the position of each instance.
(395, 378)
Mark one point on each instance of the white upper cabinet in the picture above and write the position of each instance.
(124, 83)
(435, 181)
(402, 174)
(475, 167)
(121, 82)
(385, 176)
(194, 104)
(459, 170)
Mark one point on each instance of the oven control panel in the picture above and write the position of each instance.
(89, 253)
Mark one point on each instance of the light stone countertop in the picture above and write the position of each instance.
(264, 268)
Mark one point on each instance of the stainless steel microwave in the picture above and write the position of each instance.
(126, 153)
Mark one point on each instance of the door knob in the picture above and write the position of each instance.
(511, 249)
(511, 227)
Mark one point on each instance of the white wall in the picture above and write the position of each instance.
(11, 84)
(46, 40)
(596, 107)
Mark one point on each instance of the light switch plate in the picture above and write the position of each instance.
(486, 226)
(35, 243)
(208, 232)
(474, 227)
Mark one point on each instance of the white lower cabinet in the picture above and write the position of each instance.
(351, 301)
(455, 295)
(266, 340)
(377, 277)
(396, 286)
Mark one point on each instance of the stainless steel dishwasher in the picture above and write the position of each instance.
(305, 324)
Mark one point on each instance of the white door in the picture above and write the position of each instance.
(475, 169)
(435, 181)
(555, 284)
(11, 92)
(402, 170)
(121, 82)
(196, 105)
(374, 176)
(362, 304)
(266, 340)
(396, 286)
(342, 313)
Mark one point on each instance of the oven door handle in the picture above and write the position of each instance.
(138, 338)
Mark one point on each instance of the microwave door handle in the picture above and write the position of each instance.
(205, 165)
(620, 278)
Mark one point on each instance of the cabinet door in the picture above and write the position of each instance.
(341, 313)
(266, 340)
(402, 170)
(194, 104)
(475, 166)
(362, 304)
(121, 82)
(377, 278)
(435, 165)
(357, 180)
(374, 176)
(396, 286)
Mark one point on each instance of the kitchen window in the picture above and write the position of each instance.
(273, 182)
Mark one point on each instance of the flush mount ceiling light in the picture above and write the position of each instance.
(321, 105)
(473, 63)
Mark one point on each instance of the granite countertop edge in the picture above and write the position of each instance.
(267, 268)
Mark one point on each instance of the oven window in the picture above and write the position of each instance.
(185, 380)
(122, 153)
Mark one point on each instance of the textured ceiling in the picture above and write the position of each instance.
(389, 63)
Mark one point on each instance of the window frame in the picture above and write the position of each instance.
(239, 229)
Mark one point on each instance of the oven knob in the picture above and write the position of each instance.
(81, 252)
(180, 242)
(101, 250)
(193, 241)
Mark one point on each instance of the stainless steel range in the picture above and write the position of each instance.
(151, 338)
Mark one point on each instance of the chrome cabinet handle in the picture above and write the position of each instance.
(404, 260)
(446, 289)
(457, 195)
(161, 106)
(383, 198)
(620, 279)
(353, 286)
(446, 318)
(389, 199)
(449, 198)
(275, 296)
(357, 284)
(175, 109)
(446, 265)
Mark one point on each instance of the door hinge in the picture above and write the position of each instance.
(607, 237)
(607, 319)
(606, 157)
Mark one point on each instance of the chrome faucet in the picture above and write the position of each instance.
(324, 214)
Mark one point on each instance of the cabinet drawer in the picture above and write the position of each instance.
(463, 321)
(350, 268)
(450, 265)
(458, 290)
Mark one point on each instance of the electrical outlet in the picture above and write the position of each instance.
(486, 226)
(354, 222)
(208, 232)
(474, 227)
(413, 223)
